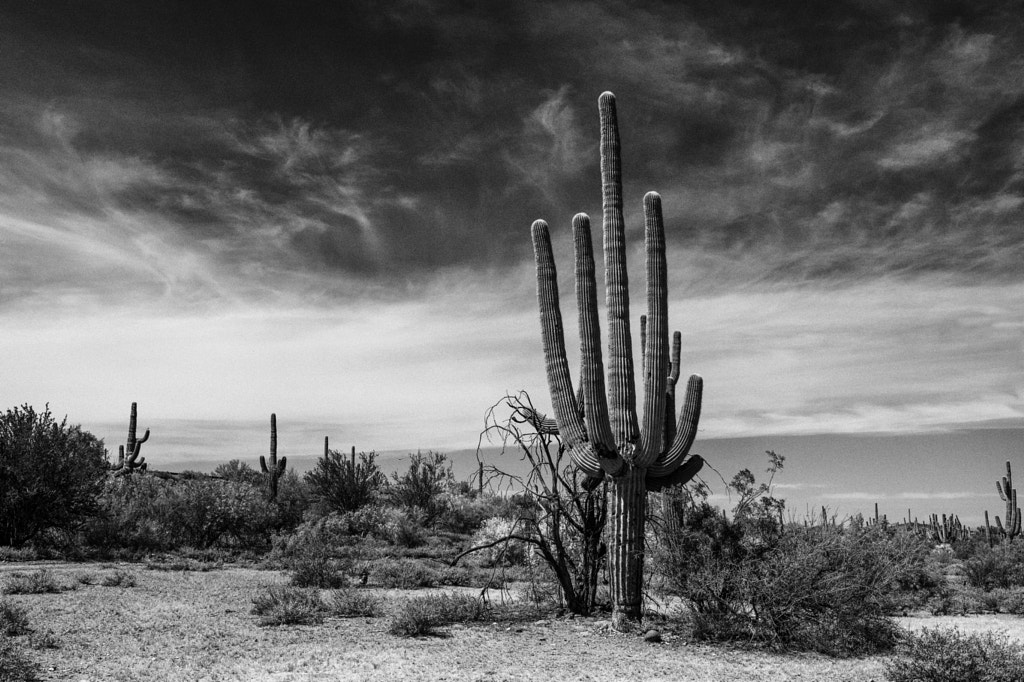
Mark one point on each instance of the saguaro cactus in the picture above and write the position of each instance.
(1008, 494)
(132, 462)
(275, 468)
(602, 432)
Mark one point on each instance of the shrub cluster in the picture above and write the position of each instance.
(750, 578)
(151, 514)
(953, 656)
(423, 615)
(290, 605)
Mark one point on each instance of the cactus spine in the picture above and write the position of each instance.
(274, 469)
(1008, 494)
(132, 448)
(603, 433)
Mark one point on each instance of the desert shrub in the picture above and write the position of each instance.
(465, 513)
(405, 527)
(423, 615)
(403, 574)
(1001, 566)
(51, 474)
(14, 666)
(13, 620)
(47, 639)
(1007, 600)
(19, 554)
(423, 485)
(317, 568)
(747, 578)
(146, 513)
(351, 603)
(119, 578)
(959, 600)
(37, 582)
(953, 656)
(340, 485)
(240, 472)
(455, 576)
(511, 552)
(288, 605)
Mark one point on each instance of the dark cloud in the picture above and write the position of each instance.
(388, 141)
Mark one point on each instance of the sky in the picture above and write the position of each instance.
(223, 210)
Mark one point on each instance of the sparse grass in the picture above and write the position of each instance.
(48, 639)
(86, 578)
(423, 615)
(37, 582)
(184, 564)
(13, 620)
(119, 578)
(952, 656)
(317, 569)
(288, 605)
(14, 666)
(201, 626)
(403, 574)
(351, 603)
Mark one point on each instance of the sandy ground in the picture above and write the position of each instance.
(198, 626)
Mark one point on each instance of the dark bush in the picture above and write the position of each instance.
(284, 605)
(423, 485)
(36, 582)
(952, 656)
(317, 568)
(13, 620)
(749, 578)
(404, 574)
(1001, 566)
(350, 603)
(14, 665)
(341, 484)
(51, 474)
(145, 513)
(423, 615)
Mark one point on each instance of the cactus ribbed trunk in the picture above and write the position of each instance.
(626, 515)
(601, 428)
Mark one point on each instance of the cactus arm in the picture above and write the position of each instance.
(622, 389)
(592, 385)
(643, 343)
(567, 414)
(281, 464)
(686, 430)
(656, 355)
(263, 465)
(680, 476)
(670, 392)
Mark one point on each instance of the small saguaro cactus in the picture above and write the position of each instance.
(1008, 494)
(132, 462)
(602, 432)
(275, 468)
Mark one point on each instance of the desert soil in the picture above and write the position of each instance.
(198, 626)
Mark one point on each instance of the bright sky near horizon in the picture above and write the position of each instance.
(222, 210)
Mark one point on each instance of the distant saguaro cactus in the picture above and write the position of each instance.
(275, 468)
(1008, 494)
(132, 448)
(602, 432)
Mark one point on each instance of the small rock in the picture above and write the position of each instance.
(543, 622)
(602, 625)
(652, 636)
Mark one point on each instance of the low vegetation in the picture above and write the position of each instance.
(953, 656)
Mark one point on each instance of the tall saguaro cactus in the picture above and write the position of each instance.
(274, 469)
(602, 431)
(128, 459)
(1008, 494)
